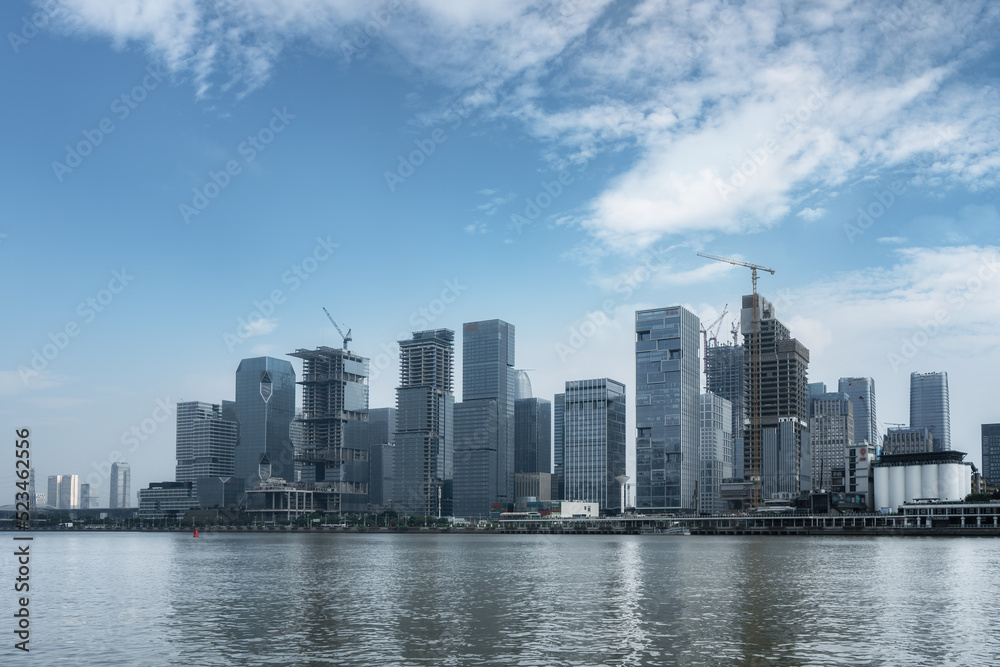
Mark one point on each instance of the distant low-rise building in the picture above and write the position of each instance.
(167, 500)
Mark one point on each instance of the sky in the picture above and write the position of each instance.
(185, 184)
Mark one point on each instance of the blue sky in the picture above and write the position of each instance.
(192, 166)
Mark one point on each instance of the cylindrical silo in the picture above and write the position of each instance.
(913, 483)
(882, 488)
(950, 485)
(966, 480)
(929, 480)
(897, 486)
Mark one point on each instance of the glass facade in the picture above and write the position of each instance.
(558, 445)
(930, 407)
(991, 453)
(265, 407)
(724, 377)
(206, 443)
(594, 449)
(667, 412)
(475, 487)
(831, 433)
(716, 451)
(120, 495)
(532, 435)
(862, 394)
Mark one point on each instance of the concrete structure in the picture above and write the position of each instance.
(725, 377)
(532, 436)
(859, 467)
(425, 434)
(781, 438)
(861, 391)
(991, 453)
(334, 427)
(64, 492)
(120, 495)
(484, 445)
(716, 452)
(667, 419)
(908, 441)
(930, 407)
(167, 500)
(265, 406)
(206, 443)
(594, 454)
(904, 478)
(831, 432)
(532, 486)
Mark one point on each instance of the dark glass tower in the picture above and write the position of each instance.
(265, 407)
(532, 435)
(594, 453)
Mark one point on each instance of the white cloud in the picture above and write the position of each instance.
(260, 327)
(891, 240)
(812, 214)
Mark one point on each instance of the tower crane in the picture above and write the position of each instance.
(711, 333)
(347, 337)
(755, 430)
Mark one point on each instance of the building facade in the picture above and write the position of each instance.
(334, 428)
(265, 407)
(930, 407)
(667, 412)
(991, 453)
(485, 444)
(206, 443)
(64, 492)
(594, 431)
(724, 377)
(532, 435)
(908, 441)
(716, 452)
(558, 445)
(167, 500)
(861, 391)
(831, 432)
(120, 494)
(423, 461)
(776, 440)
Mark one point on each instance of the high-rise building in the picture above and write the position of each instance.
(382, 425)
(523, 387)
(334, 428)
(85, 497)
(424, 425)
(724, 377)
(861, 390)
(64, 492)
(558, 445)
(594, 454)
(489, 382)
(206, 443)
(381, 455)
(831, 433)
(532, 435)
(930, 407)
(265, 406)
(119, 495)
(908, 441)
(716, 451)
(667, 413)
(776, 440)
(991, 453)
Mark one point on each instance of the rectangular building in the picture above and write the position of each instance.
(594, 423)
(667, 412)
(861, 391)
(716, 452)
(121, 482)
(991, 453)
(724, 377)
(558, 446)
(532, 435)
(206, 443)
(831, 432)
(908, 441)
(930, 407)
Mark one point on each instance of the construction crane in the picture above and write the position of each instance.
(347, 337)
(714, 337)
(755, 431)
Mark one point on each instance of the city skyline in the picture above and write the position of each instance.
(557, 167)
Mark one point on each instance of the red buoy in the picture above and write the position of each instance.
(196, 532)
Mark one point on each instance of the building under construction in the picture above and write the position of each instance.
(778, 399)
(725, 377)
(333, 456)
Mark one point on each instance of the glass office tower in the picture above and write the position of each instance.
(861, 391)
(265, 407)
(930, 407)
(594, 449)
(667, 413)
(120, 486)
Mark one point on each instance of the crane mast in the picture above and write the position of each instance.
(347, 337)
(755, 432)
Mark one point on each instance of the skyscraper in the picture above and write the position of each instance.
(532, 435)
(85, 496)
(861, 390)
(594, 453)
(334, 427)
(488, 385)
(777, 449)
(930, 407)
(424, 424)
(991, 453)
(724, 377)
(119, 495)
(206, 443)
(265, 406)
(558, 445)
(667, 413)
(831, 433)
(716, 451)
(64, 492)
